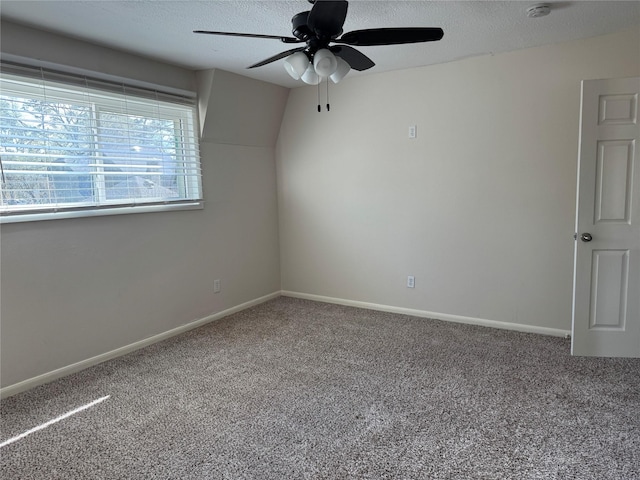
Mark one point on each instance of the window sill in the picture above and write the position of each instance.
(99, 212)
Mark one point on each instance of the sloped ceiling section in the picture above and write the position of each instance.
(238, 110)
(31, 46)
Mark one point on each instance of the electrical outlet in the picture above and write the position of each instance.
(216, 286)
(411, 281)
(413, 131)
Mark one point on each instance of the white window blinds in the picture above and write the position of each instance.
(72, 143)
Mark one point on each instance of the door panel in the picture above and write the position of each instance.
(609, 288)
(606, 298)
(618, 109)
(614, 181)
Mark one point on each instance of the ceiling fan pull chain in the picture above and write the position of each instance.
(328, 106)
(319, 107)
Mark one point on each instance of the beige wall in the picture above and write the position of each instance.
(479, 207)
(74, 289)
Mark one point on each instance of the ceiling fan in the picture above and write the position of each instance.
(328, 52)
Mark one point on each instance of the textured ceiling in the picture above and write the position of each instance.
(162, 29)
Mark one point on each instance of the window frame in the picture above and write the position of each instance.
(144, 102)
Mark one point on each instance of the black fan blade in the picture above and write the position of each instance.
(391, 36)
(357, 60)
(250, 35)
(277, 57)
(327, 17)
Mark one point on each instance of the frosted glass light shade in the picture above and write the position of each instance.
(310, 76)
(341, 71)
(324, 62)
(296, 64)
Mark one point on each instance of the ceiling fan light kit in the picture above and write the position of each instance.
(325, 64)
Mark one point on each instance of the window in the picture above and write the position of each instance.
(75, 146)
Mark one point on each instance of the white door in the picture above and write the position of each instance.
(606, 285)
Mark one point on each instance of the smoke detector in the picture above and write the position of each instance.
(539, 10)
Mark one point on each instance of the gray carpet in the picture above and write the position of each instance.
(293, 389)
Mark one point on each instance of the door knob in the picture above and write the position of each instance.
(586, 237)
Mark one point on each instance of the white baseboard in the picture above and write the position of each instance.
(90, 362)
(76, 367)
(437, 316)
